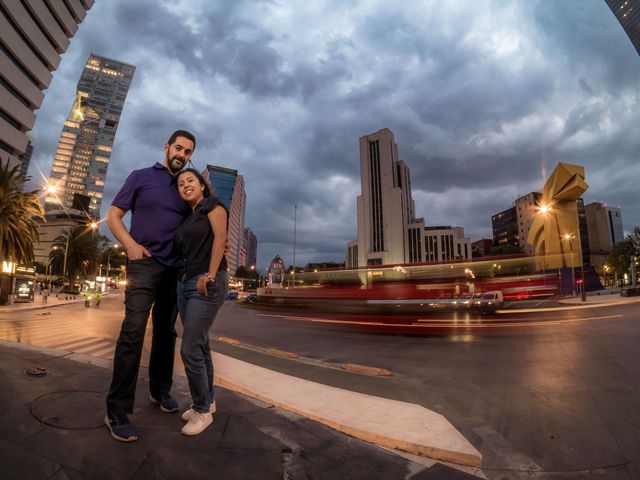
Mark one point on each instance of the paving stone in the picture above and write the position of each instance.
(92, 451)
(19, 463)
(66, 473)
(227, 464)
(442, 472)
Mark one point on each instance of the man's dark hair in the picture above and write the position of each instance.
(182, 133)
(207, 189)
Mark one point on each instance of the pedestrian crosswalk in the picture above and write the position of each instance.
(70, 334)
(75, 334)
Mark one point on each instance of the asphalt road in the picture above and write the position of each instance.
(541, 395)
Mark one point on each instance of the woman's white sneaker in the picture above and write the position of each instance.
(186, 416)
(197, 423)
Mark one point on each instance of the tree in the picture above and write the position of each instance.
(82, 256)
(19, 212)
(113, 256)
(633, 241)
(620, 258)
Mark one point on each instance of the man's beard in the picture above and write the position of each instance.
(170, 165)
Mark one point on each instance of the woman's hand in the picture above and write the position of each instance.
(203, 281)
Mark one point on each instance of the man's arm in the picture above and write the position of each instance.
(135, 251)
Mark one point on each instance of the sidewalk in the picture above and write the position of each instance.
(52, 427)
(602, 297)
(52, 301)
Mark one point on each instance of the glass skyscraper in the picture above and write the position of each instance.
(228, 186)
(84, 150)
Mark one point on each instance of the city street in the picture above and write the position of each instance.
(540, 395)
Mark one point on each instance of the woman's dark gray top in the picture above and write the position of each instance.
(194, 239)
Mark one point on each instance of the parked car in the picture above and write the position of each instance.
(232, 295)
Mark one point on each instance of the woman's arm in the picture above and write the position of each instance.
(218, 220)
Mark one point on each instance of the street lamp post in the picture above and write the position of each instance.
(295, 218)
(64, 262)
(116, 247)
(569, 238)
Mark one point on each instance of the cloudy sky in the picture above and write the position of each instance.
(484, 98)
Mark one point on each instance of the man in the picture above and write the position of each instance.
(152, 270)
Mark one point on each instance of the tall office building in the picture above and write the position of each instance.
(388, 230)
(628, 14)
(33, 35)
(25, 158)
(604, 224)
(251, 246)
(84, 150)
(385, 207)
(526, 207)
(228, 186)
(505, 227)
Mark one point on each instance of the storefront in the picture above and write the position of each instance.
(16, 283)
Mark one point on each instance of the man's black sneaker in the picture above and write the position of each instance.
(166, 402)
(120, 428)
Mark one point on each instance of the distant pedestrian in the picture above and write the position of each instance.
(202, 290)
(45, 293)
(152, 271)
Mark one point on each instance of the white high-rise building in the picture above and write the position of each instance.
(33, 35)
(385, 207)
(388, 230)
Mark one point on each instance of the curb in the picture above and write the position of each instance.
(375, 371)
(281, 353)
(385, 422)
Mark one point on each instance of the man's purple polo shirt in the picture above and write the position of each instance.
(156, 211)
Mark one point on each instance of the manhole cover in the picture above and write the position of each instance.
(35, 372)
(70, 410)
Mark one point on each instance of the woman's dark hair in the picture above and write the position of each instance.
(207, 189)
(182, 133)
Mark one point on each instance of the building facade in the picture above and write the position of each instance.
(56, 222)
(33, 35)
(388, 231)
(25, 158)
(481, 248)
(505, 227)
(84, 150)
(604, 225)
(228, 186)
(526, 207)
(443, 244)
(628, 14)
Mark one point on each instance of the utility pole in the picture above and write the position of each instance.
(295, 219)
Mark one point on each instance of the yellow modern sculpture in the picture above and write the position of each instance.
(554, 232)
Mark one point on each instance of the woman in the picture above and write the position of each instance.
(201, 291)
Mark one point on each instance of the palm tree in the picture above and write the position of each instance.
(19, 212)
(82, 253)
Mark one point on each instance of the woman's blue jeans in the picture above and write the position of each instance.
(197, 313)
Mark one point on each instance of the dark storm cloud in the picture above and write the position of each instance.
(484, 99)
